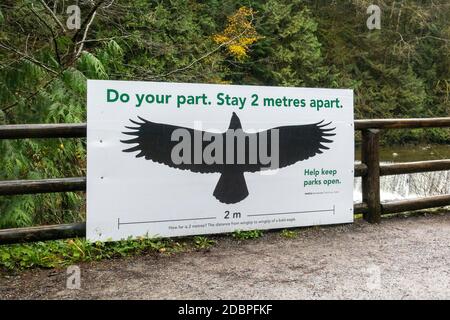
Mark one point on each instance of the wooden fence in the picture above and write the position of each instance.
(370, 170)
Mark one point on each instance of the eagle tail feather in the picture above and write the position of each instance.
(231, 187)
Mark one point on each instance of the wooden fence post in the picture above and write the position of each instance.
(371, 181)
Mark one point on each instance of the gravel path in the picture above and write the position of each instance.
(403, 258)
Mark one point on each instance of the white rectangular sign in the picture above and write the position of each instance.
(175, 159)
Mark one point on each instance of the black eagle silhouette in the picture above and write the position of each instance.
(296, 143)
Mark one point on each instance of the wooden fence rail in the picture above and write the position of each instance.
(16, 187)
(369, 170)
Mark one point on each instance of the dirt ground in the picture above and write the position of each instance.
(402, 258)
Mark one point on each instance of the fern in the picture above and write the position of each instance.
(91, 66)
(75, 80)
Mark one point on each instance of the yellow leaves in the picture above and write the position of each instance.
(238, 51)
(239, 33)
(219, 38)
(248, 41)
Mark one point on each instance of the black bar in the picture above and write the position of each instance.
(359, 208)
(416, 204)
(57, 130)
(16, 187)
(42, 233)
(360, 170)
(402, 123)
(414, 167)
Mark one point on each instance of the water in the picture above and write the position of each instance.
(413, 185)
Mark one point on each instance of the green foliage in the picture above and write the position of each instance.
(290, 54)
(358, 216)
(60, 253)
(202, 242)
(247, 235)
(289, 234)
(92, 67)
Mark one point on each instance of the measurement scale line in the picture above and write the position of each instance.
(284, 213)
(158, 221)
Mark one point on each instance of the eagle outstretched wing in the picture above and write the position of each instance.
(298, 143)
(153, 141)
